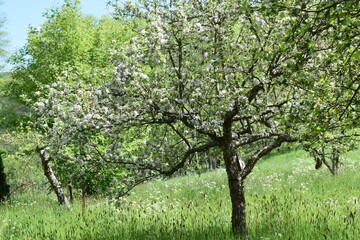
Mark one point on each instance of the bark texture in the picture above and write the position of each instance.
(238, 218)
(49, 173)
(234, 164)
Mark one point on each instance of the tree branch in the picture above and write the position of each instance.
(181, 135)
(187, 154)
(254, 138)
(264, 151)
(351, 100)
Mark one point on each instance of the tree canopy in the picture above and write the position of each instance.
(67, 45)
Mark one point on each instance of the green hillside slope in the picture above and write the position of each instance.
(287, 199)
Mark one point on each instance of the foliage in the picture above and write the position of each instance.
(22, 164)
(12, 113)
(287, 198)
(69, 45)
(8, 110)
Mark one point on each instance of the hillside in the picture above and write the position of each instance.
(287, 199)
(5, 75)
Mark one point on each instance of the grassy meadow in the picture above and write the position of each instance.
(286, 199)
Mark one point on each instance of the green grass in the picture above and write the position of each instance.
(286, 199)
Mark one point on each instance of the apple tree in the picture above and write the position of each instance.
(205, 75)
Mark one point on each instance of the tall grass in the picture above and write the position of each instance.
(286, 199)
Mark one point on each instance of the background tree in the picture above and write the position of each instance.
(3, 41)
(210, 75)
(67, 43)
(328, 151)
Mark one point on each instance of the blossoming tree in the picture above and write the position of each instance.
(205, 75)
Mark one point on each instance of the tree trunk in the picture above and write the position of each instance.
(45, 160)
(335, 161)
(4, 187)
(238, 218)
(70, 186)
(234, 166)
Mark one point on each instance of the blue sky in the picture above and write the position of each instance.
(20, 14)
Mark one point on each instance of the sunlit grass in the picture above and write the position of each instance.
(286, 199)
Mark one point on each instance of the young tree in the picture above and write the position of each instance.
(49, 173)
(74, 48)
(215, 75)
(328, 151)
